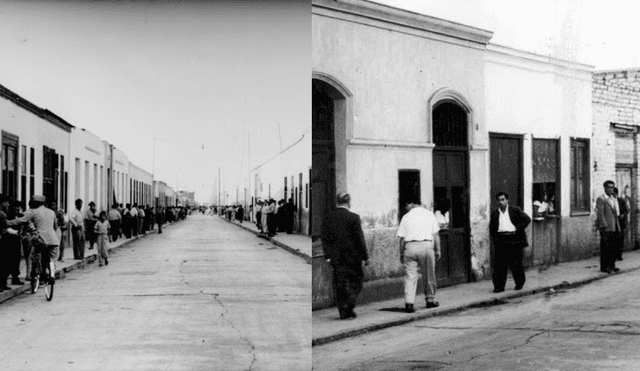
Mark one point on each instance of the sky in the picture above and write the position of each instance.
(209, 84)
(600, 33)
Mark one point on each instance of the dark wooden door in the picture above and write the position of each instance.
(49, 176)
(323, 161)
(505, 170)
(10, 165)
(626, 188)
(450, 182)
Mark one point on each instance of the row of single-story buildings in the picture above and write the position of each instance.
(44, 154)
(407, 106)
(285, 177)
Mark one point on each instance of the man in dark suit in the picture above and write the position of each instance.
(507, 228)
(344, 247)
(623, 206)
(608, 211)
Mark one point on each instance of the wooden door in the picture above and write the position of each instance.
(450, 182)
(323, 161)
(505, 153)
(626, 189)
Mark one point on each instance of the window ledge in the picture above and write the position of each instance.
(580, 213)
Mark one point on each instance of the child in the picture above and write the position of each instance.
(101, 230)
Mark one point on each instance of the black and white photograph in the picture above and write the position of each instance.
(155, 195)
(475, 185)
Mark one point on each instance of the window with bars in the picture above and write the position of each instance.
(580, 175)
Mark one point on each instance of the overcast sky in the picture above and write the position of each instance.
(216, 74)
(601, 33)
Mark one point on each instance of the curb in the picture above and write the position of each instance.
(284, 246)
(61, 272)
(500, 299)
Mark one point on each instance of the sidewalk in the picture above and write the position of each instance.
(327, 327)
(69, 263)
(294, 243)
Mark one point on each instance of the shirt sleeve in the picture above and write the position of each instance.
(401, 230)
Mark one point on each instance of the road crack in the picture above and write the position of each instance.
(529, 339)
(252, 347)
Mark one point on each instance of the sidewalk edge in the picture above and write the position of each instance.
(274, 241)
(500, 299)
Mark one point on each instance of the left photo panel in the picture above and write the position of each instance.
(155, 189)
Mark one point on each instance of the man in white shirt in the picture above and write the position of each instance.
(77, 229)
(419, 246)
(507, 228)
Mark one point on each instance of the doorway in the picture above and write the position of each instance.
(451, 188)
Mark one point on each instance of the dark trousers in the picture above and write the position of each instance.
(348, 284)
(63, 242)
(78, 243)
(134, 225)
(9, 258)
(289, 223)
(620, 245)
(508, 254)
(608, 249)
(259, 220)
(115, 229)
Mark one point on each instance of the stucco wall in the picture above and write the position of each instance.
(33, 132)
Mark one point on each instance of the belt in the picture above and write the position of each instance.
(419, 241)
(506, 233)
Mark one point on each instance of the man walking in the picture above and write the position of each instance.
(419, 235)
(345, 249)
(608, 212)
(507, 228)
(115, 219)
(77, 230)
(90, 219)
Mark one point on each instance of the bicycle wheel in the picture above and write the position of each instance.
(48, 285)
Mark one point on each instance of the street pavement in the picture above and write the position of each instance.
(327, 327)
(203, 295)
(588, 328)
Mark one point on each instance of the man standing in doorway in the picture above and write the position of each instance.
(608, 211)
(507, 228)
(77, 230)
(345, 249)
(419, 235)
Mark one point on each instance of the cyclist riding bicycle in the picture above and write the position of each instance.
(46, 241)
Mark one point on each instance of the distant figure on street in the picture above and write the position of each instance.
(240, 213)
(160, 218)
(134, 219)
(259, 216)
(63, 223)
(9, 243)
(345, 249)
(419, 247)
(281, 218)
(77, 229)
(115, 220)
(289, 216)
(507, 228)
(90, 219)
(624, 206)
(141, 219)
(608, 211)
(101, 230)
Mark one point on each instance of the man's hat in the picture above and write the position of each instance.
(343, 198)
(39, 198)
(92, 203)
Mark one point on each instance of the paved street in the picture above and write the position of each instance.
(204, 295)
(594, 327)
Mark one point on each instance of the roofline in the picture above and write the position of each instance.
(43, 113)
(405, 18)
(635, 69)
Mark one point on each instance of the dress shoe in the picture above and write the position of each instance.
(5, 288)
(17, 282)
(408, 308)
(498, 290)
(616, 270)
(518, 287)
(106, 261)
(432, 304)
(352, 314)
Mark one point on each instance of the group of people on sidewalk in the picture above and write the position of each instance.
(44, 228)
(272, 218)
(345, 248)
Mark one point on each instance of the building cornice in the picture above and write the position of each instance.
(44, 114)
(394, 17)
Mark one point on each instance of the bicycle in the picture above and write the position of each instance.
(45, 277)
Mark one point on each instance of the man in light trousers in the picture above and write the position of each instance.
(419, 246)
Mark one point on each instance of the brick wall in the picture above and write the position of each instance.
(616, 99)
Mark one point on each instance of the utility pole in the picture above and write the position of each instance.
(219, 186)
